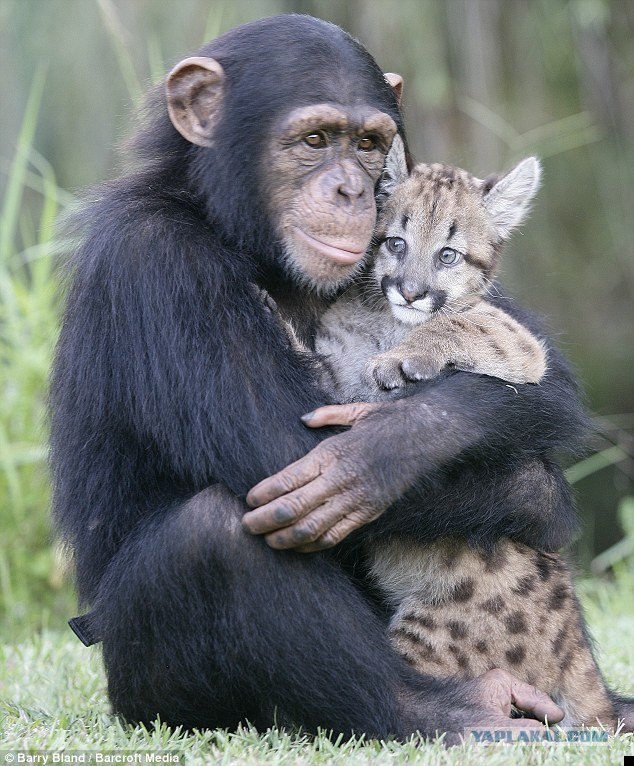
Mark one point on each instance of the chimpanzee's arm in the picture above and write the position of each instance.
(529, 501)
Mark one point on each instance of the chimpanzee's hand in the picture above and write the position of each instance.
(337, 487)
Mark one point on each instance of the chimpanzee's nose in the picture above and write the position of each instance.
(412, 292)
(351, 187)
(351, 182)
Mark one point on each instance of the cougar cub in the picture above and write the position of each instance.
(459, 611)
(422, 306)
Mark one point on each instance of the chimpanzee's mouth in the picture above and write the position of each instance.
(334, 252)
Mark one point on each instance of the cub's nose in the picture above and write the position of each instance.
(412, 292)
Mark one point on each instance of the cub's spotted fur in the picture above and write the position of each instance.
(461, 612)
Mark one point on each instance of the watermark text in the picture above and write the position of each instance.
(523, 736)
(90, 757)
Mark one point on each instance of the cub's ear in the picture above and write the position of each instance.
(194, 90)
(507, 200)
(395, 171)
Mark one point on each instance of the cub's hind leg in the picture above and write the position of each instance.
(575, 681)
(519, 613)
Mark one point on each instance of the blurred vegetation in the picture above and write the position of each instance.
(487, 82)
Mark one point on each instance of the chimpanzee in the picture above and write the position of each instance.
(176, 406)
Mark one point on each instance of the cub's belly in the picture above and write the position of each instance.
(445, 570)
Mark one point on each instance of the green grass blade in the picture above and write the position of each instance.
(594, 463)
(9, 216)
(118, 35)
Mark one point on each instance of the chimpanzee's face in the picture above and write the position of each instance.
(320, 173)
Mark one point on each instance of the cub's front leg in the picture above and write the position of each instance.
(482, 339)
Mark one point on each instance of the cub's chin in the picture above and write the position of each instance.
(409, 314)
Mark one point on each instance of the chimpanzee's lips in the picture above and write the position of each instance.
(338, 254)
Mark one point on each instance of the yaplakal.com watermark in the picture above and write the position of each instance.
(524, 736)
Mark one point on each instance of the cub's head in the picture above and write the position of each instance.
(440, 232)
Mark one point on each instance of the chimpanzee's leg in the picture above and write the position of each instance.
(206, 626)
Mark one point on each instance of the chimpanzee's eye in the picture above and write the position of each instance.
(396, 245)
(367, 144)
(449, 257)
(316, 140)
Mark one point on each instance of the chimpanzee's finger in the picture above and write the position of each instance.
(288, 509)
(310, 528)
(339, 414)
(532, 700)
(337, 533)
(292, 477)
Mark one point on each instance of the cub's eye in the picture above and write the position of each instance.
(449, 257)
(396, 245)
(368, 144)
(316, 140)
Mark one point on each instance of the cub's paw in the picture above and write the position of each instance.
(419, 368)
(385, 371)
(389, 372)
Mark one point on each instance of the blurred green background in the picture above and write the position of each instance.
(487, 82)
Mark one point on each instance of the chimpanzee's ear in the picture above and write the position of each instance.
(508, 200)
(195, 91)
(396, 81)
(395, 171)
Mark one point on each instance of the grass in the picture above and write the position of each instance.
(52, 697)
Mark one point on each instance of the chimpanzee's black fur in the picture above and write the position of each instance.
(170, 377)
